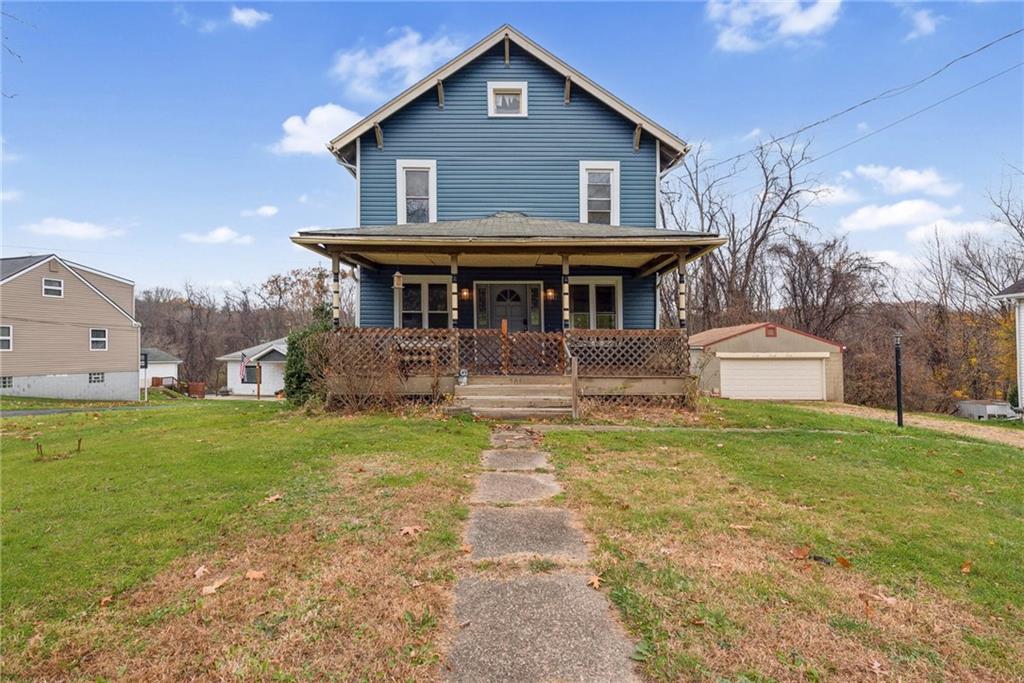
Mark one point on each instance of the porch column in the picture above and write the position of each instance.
(565, 292)
(681, 292)
(336, 290)
(455, 290)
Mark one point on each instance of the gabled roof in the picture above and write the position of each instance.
(155, 355)
(19, 265)
(258, 351)
(1014, 291)
(719, 334)
(673, 147)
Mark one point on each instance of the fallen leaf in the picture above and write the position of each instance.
(464, 624)
(416, 583)
(698, 622)
(842, 562)
(106, 601)
(965, 568)
(720, 445)
(201, 571)
(212, 588)
(466, 548)
(801, 552)
(594, 582)
(959, 471)
(411, 530)
(273, 499)
(255, 575)
(741, 527)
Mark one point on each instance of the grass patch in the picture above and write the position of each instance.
(155, 494)
(696, 530)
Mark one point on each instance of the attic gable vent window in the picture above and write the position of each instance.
(506, 99)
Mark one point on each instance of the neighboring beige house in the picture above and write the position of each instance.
(262, 364)
(67, 331)
(767, 361)
(1014, 294)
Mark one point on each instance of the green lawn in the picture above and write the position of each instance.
(37, 403)
(152, 487)
(908, 508)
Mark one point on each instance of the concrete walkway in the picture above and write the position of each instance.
(516, 625)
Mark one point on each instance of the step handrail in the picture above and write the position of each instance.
(574, 370)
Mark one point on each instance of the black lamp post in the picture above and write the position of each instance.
(898, 339)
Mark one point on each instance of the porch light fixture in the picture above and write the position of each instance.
(396, 281)
(464, 294)
(549, 294)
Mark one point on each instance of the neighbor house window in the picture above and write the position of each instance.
(417, 190)
(97, 339)
(97, 377)
(6, 382)
(599, 192)
(53, 287)
(6, 337)
(506, 98)
(595, 303)
(423, 302)
(251, 375)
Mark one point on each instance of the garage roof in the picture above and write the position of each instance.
(718, 334)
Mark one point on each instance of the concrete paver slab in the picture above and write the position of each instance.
(503, 532)
(512, 487)
(515, 459)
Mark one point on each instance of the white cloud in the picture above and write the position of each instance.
(899, 180)
(373, 74)
(247, 17)
(75, 230)
(901, 214)
(304, 198)
(221, 235)
(6, 156)
(896, 259)
(265, 211)
(834, 195)
(10, 195)
(750, 25)
(310, 135)
(947, 229)
(863, 127)
(754, 134)
(922, 22)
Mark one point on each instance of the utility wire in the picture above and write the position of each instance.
(885, 94)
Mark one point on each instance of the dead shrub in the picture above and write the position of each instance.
(351, 376)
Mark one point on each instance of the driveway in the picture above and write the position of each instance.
(978, 430)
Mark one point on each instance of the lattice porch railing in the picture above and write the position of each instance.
(629, 353)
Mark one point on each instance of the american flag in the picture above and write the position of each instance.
(241, 369)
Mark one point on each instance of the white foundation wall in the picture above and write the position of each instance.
(116, 386)
(273, 380)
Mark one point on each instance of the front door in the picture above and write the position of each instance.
(508, 302)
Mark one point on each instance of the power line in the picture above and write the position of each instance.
(885, 94)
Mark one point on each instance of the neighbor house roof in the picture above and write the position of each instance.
(155, 355)
(505, 233)
(719, 334)
(1014, 291)
(258, 351)
(673, 147)
(15, 264)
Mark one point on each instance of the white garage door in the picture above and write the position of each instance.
(773, 378)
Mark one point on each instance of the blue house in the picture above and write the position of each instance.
(507, 191)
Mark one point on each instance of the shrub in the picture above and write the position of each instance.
(298, 385)
(351, 375)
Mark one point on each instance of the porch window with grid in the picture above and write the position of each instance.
(593, 306)
(599, 192)
(425, 304)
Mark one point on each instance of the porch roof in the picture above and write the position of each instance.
(509, 239)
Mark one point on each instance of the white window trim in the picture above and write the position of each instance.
(53, 296)
(401, 166)
(521, 86)
(421, 281)
(601, 280)
(510, 282)
(106, 338)
(9, 336)
(585, 167)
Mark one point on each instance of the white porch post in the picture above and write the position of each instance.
(681, 292)
(455, 290)
(336, 290)
(565, 292)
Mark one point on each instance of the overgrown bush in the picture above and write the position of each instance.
(298, 385)
(350, 374)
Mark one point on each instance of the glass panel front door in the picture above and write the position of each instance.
(517, 302)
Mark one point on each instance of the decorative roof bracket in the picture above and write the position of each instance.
(379, 134)
(568, 89)
(440, 94)
(636, 136)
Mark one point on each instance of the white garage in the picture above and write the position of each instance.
(765, 361)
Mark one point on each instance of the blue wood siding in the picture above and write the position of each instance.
(486, 165)
(639, 295)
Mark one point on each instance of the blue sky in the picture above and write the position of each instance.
(172, 142)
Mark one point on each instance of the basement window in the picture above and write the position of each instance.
(7, 382)
(97, 377)
(506, 99)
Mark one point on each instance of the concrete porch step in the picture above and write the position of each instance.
(514, 390)
(520, 413)
(475, 380)
(475, 402)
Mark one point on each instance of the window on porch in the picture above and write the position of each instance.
(594, 305)
(424, 304)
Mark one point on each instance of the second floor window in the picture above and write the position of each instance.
(6, 337)
(97, 339)
(53, 287)
(417, 190)
(599, 192)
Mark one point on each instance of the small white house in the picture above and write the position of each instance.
(1014, 294)
(257, 366)
(159, 364)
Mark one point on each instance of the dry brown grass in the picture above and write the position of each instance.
(345, 596)
(717, 601)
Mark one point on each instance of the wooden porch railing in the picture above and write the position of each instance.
(584, 353)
